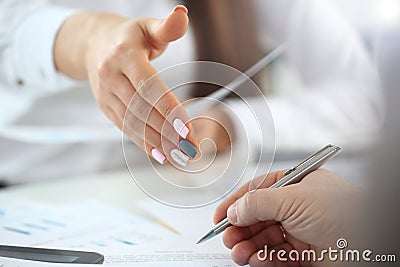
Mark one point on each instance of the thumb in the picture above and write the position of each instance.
(161, 32)
(259, 205)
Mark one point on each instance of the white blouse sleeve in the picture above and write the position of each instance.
(27, 33)
(339, 98)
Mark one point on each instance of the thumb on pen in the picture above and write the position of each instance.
(259, 205)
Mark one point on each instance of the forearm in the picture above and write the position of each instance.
(74, 38)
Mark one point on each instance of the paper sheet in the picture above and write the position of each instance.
(190, 222)
(123, 238)
(178, 251)
(86, 225)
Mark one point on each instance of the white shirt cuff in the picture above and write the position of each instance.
(31, 51)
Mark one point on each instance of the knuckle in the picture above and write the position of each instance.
(260, 204)
(120, 110)
(102, 105)
(148, 86)
(102, 96)
(126, 93)
(104, 69)
(110, 115)
(120, 49)
(169, 132)
(135, 76)
(140, 108)
(142, 88)
(166, 108)
(148, 135)
(248, 203)
(135, 126)
(123, 50)
(131, 121)
(252, 204)
(131, 25)
(125, 90)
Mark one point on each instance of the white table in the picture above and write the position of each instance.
(118, 187)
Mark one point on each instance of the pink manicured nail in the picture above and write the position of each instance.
(232, 213)
(181, 7)
(157, 155)
(181, 128)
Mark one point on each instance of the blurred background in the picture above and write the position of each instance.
(379, 25)
(372, 18)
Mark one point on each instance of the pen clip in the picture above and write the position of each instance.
(306, 160)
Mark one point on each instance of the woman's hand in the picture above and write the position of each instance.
(114, 53)
(314, 214)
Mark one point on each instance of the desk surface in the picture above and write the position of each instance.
(118, 188)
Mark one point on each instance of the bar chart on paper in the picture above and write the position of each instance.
(88, 225)
(123, 238)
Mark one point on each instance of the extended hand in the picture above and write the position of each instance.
(115, 54)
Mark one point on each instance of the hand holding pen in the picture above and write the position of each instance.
(313, 213)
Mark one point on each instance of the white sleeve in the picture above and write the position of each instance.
(339, 99)
(27, 33)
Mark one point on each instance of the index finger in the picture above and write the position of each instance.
(262, 181)
(154, 91)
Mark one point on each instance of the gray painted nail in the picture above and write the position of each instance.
(188, 148)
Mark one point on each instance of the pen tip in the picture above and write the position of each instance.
(206, 237)
(201, 240)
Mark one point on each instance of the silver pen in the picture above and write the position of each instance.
(291, 176)
(204, 103)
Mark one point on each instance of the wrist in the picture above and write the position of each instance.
(75, 38)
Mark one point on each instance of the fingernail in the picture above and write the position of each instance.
(181, 7)
(232, 213)
(181, 128)
(179, 157)
(157, 155)
(188, 148)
